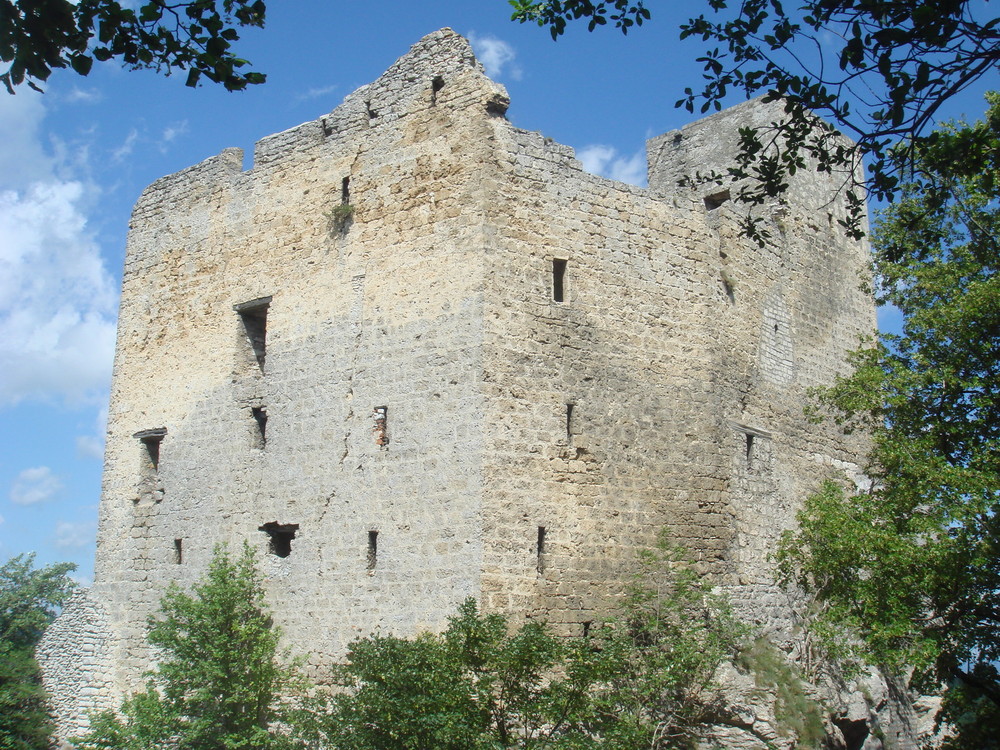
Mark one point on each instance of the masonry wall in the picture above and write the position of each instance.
(358, 356)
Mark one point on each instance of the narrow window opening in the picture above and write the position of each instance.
(729, 288)
(372, 549)
(586, 628)
(540, 550)
(569, 420)
(436, 85)
(152, 446)
(253, 315)
(178, 551)
(150, 487)
(558, 279)
(280, 537)
(372, 114)
(715, 200)
(750, 451)
(345, 191)
(380, 426)
(260, 417)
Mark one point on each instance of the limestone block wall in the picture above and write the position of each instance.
(351, 437)
(416, 354)
(75, 658)
(792, 311)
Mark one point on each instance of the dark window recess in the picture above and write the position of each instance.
(540, 550)
(253, 315)
(372, 549)
(728, 287)
(569, 420)
(750, 451)
(260, 417)
(281, 536)
(178, 551)
(372, 114)
(558, 279)
(586, 628)
(380, 428)
(150, 489)
(345, 191)
(715, 200)
(152, 448)
(436, 85)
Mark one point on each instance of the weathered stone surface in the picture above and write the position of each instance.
(405, 414)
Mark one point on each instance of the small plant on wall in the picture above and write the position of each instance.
(340, 217)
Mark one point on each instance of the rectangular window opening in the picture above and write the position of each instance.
(253, 315)
(345, 191)
(750, 451)
(178, 551)
(380, 426)
(586, 628)
(569, 420)
(540, 550)
(558, 279)
(280, 536)
(260, 417)
(152, 448)
(372, 549)
(715, 200)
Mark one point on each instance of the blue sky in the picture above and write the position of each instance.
(74, 160)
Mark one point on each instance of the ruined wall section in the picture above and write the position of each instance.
(794, 308)
(75, 659)
(382, 309)
(600, 394)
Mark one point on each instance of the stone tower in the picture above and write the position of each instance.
(416, 354)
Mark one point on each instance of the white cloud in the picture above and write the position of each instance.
(92, 446)
(171, 132)
(23, 160)
(78, 95)
(74, 535)
(127, 147)
(496, 55)
(606, 162)
(35, 485)
(316, 92)
(57, 299)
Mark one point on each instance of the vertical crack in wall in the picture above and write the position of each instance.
(357, 324)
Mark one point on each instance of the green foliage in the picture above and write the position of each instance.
(913, 566)
(28, 602)
(643, 681)
(890, 67)
(219, 682)
(339, 217)
(474, 686)
(39, 35)
(796, 712)
(655, 665)
(554, 14)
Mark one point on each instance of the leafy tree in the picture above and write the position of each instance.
(913, 565)
(219, 683)
(471, 687)
(29, 599)
(643, 681)
(39, 35)
(891, 66)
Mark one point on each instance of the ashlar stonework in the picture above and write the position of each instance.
(416, 354)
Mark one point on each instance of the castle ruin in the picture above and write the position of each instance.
(416, 354)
